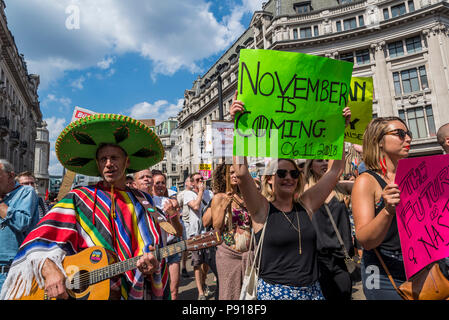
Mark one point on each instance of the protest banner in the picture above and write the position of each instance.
(423, 212)
(293, 105)
(361, 104)
(222, 139)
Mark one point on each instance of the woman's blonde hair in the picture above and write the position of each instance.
(270, 170)
(311, 178)
(374, 133)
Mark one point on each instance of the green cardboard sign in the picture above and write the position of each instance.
(293, 105)
(361, 105)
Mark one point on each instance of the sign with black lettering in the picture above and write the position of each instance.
(423, 213)
(361, 104)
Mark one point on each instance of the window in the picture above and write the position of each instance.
(303, 7)
(362, 56)
(173, 167)
(413, 44)
(361, 21)
(398, 10)
(350, 24)
(295, 33)
(306, 32)
(420, 121)
(423, 77)
(410, 80)
(338, 24)
(411, 6)
(347, 57)
(386, 14)
(395, 49)
(315, 31)
(397, 84)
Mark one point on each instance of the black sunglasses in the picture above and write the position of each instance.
(400, 133)
(282, 173)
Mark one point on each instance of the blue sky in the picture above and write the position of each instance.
(134, 57)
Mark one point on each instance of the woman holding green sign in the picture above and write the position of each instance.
(374, 199)
(288, 267)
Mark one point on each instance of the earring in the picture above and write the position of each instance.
(383, 165)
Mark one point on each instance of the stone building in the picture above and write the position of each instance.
(166, 132)
(402, 44)
(23, 134)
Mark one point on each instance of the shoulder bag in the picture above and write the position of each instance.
(352, 264)
(427, 284)
(249, 285)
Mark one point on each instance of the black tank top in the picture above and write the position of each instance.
(391, 241)
(281, 262)
(327, 241)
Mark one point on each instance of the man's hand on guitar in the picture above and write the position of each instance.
(54, 281)
(148, 264)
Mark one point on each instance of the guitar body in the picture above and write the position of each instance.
(89, 272)
(77, 268)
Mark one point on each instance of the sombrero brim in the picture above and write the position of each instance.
(77, 144)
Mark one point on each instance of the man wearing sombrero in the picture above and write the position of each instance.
(108, 214)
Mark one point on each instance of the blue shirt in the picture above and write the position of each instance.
(21, 217)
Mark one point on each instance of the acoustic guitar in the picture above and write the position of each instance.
(89, 272)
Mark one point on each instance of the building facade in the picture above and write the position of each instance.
(23, 135)
(402, 44)
(166, 131)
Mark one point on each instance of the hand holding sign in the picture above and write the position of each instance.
(237, 106)
(392, 197)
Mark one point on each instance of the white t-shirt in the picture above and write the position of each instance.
(159, 202)
(195, 225)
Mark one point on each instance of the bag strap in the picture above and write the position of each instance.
(156, 213)
(258, 253)
(337, 232)
(390, 277)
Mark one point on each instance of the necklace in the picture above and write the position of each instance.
(298, 228)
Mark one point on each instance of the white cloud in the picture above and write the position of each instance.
(55, 126)
(62, 104)
(78, 83)
(160, 110)
(106, 63)
(174, 35)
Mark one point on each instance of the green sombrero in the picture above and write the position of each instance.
(77, 144)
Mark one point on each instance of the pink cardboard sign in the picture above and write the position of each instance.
(423, 213)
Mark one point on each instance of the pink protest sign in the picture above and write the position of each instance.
(423, 213)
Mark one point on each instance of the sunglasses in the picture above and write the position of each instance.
(400, 133)
(282, 173)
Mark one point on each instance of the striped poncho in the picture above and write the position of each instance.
(73, 225)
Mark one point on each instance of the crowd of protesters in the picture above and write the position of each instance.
(308, 214)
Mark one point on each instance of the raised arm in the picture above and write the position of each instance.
(256, 204)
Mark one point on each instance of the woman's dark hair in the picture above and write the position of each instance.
(219, 179)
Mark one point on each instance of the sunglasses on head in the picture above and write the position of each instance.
(282, 173)
(400, 133)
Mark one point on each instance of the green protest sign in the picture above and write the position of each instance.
(361, 105)
(293, 105)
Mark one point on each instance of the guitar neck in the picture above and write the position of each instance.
(118, 268)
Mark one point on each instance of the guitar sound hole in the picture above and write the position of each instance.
(79, 282)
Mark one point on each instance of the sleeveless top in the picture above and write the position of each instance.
(237, 232)
(281, 262)
(327, 241)
(391, 241)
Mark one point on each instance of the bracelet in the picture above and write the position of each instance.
(387, 213)
(173, 215)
